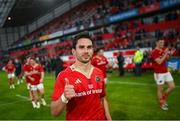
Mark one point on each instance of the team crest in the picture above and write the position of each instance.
(98, 78)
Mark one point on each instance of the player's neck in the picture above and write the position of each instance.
(85, 69)
(83, 66)
(34, 65)
(159, 48)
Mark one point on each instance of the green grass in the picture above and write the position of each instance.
(129, 97)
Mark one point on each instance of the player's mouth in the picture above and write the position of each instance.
(86, 56)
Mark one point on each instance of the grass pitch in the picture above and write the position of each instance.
(130, 98)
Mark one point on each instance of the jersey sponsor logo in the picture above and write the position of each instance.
(89, 92)
(77, 81)
(101, 63)
(98, 78)
(90, 86)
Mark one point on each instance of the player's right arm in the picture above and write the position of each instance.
(66, 93)
(4, 68)
(57, 107)
(106, 108)
(160, 60)
(26, 73)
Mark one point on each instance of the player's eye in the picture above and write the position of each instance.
(81, 46)
(89, 47)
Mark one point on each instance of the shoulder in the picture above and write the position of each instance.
(97, 70)
(94, 57)
(25, 66)
(154, 51)
(104, 57)
(62, 75)
(65, 72)
(39, 65)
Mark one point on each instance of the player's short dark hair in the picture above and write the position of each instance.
(30, 57)
(33, 58)
(160, 38)
(79, 36)
(98, 50)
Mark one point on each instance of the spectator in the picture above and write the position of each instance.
(120, 59)
(138, 57)
(58, 65)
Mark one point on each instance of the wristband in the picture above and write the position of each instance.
(64, 99)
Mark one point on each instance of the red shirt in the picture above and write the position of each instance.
(10, 68)
(86, 105)
(36, 77)
(159, 68)
(100, 62)
(27, 68)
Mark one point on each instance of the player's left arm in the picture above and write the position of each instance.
(42, 74)
(42, 77)
(106, 108)
(170, 53)
(14, 69)
(4, 69)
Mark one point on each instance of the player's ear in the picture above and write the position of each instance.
(73, 51)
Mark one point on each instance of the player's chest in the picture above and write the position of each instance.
(10, 66)
(84, 84)
(31, 68)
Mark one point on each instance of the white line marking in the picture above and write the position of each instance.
(4, 104)
(128, 83)
(27, 99)
(134, 83)
(23, 97)
(131, 83)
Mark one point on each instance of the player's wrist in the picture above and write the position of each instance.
(64, 99)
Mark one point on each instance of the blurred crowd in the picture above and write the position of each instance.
(142, 32)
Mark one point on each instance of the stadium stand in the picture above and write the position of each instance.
(124, 34)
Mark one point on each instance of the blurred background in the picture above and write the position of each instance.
(45, 29)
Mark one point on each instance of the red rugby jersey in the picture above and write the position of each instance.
(27, 68)
(159, 68)
(10, 68)
(86, 105)
(100, 62)
(37, 76)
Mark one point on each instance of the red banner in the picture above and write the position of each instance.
(149, 8)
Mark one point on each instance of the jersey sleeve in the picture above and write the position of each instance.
(58, 87)
(14, 68)
(93, 61)
(154, 55)
(41, 68)
(106, 61)
(103, 94)
(24, 68)
(6, 68)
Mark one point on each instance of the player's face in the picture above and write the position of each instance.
(32, 61)
(160, 43)
(16, 60)
(84, 50)
(27, 60)
(100, 52)
(10, 62)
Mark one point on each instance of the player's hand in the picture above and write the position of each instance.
(166, 50)
(41, 81)
(35, 72)
(69, 92)
(32, 79)
(173, 50)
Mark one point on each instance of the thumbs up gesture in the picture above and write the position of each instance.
(69, 92)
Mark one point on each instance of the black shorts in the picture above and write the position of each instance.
(17, 73)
